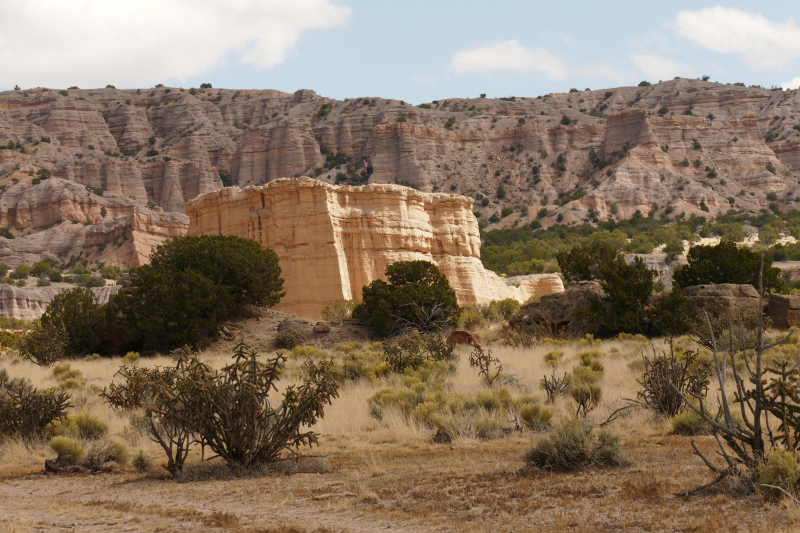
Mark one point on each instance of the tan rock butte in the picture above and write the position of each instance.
(332, 240)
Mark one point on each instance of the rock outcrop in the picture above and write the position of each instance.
(618, 151)
(31, 302)
(555, 313)
(333, 240)
(536, 284)
(123, 241)
(784, 310)
(722, 297)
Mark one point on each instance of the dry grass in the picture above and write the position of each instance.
(388, 473)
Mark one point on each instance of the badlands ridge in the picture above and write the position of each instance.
(106, 174)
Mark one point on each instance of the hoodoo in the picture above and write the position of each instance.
(332, 240)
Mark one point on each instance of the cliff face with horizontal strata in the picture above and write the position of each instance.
(29, 303)
(683, 146)
(124, 237)
(332, 240)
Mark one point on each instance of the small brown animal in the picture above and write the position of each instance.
(463, 337)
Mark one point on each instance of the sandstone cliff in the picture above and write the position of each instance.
(684, 144)
(332, 240)
(57, 219)
(31, 302)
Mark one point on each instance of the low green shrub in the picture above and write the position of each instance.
(535, 417)
(84, 425)
(346, 348)
(574, 445)
(364, 364)
(588, 341)
(67, 377)
(104, 456)
(117, 452)
(68, 450)
(287, 339)
(586, 395)
(306, 352)
(470, 318)
(688, 422)
(72, 384)
(338, 311)
(553, 358)
(64, 371)
(583, 381)
(413, 349)
(584, 375)
(781, 470)
(142, 462)
(423, 398)
(89, 426)
(591, 360)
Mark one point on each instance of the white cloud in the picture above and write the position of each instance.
(508, 56)
(760, 42)
(95, 42)
(789, 85)
(658, 67)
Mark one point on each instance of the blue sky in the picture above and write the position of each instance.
(412, 50)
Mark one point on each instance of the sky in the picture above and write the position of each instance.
(411, 50)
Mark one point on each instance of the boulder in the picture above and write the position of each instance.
(557, 310)
(784, 310)
(720, 298)
(294, 324)
(322, 327)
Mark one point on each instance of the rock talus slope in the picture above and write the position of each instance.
(332, 240)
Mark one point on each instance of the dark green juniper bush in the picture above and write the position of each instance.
(416, 296)
(192, 285)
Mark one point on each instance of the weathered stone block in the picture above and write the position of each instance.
(784, 310)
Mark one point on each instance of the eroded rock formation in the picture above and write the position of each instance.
(784, 310)
(682, 144)
(332, 240)
(723, 297)
(31, 302)
(554, 314)
(75, 226)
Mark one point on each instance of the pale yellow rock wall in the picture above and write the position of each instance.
(145, 230)
(332, 240)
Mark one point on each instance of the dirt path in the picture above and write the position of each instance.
(121, 503)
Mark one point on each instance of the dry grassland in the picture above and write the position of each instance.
(371, 475)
